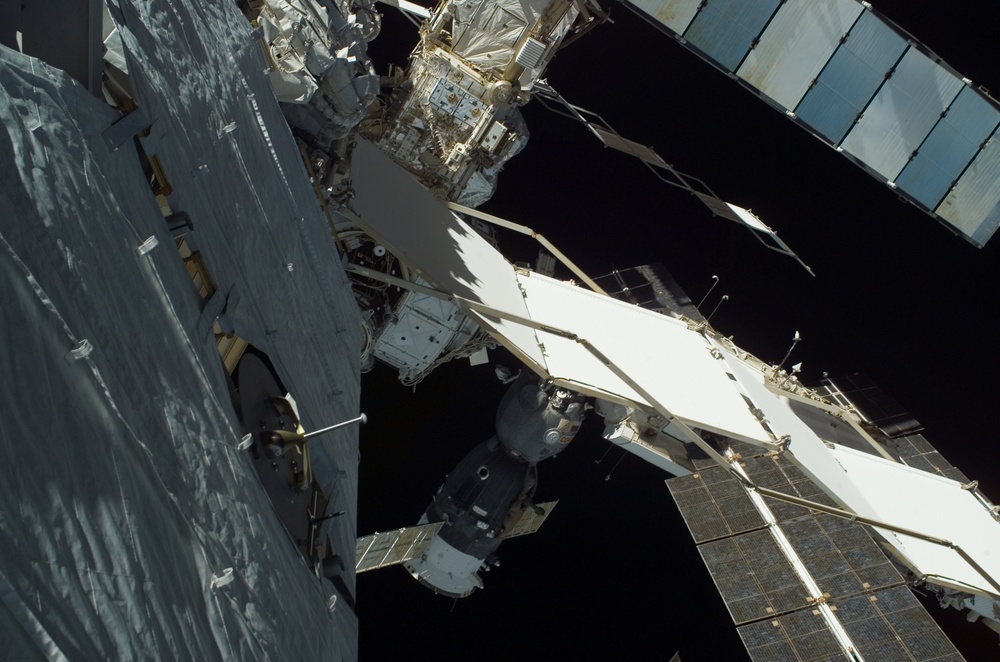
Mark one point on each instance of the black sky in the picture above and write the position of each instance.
(614, 572)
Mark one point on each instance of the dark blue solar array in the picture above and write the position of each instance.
(865, 88)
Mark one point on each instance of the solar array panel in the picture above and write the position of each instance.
(800, 635)
(891, 624)
(862, 86)
(840, 555)
(777, 473)
(885, 625)
(884, 412)
(756, 581)
(714, 505)
(378, 550)
(667, 173)
(615, 141)
(917, 452)
(877, 406)
(809, 586)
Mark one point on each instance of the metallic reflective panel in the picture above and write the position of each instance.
(795, 46)
(973, 206)
(901, 115)
(676, 15)
(725, 29)
(949, 148)
(851, 78)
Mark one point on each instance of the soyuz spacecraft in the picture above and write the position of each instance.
(488, 497)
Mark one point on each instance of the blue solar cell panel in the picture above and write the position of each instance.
(902, 114)
(795, 46)
(851, 78)
(948, 149)
(725, 29)
(973, 205)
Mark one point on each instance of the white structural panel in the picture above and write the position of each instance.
(795, 46)
(421, 331)
(747, 217)
(887, 491)
(674, 364)
(901, 115)
(806, 448)
(931, 505)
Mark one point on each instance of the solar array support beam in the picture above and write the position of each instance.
(604, 132)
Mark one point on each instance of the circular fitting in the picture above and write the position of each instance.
(500, 92)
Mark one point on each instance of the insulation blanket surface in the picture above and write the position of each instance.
(123, 491)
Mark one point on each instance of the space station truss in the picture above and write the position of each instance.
(378, 550)
(799, 584)
(864, 87)
(689, 375)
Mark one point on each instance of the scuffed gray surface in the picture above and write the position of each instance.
(199, 77)
(122, 491)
